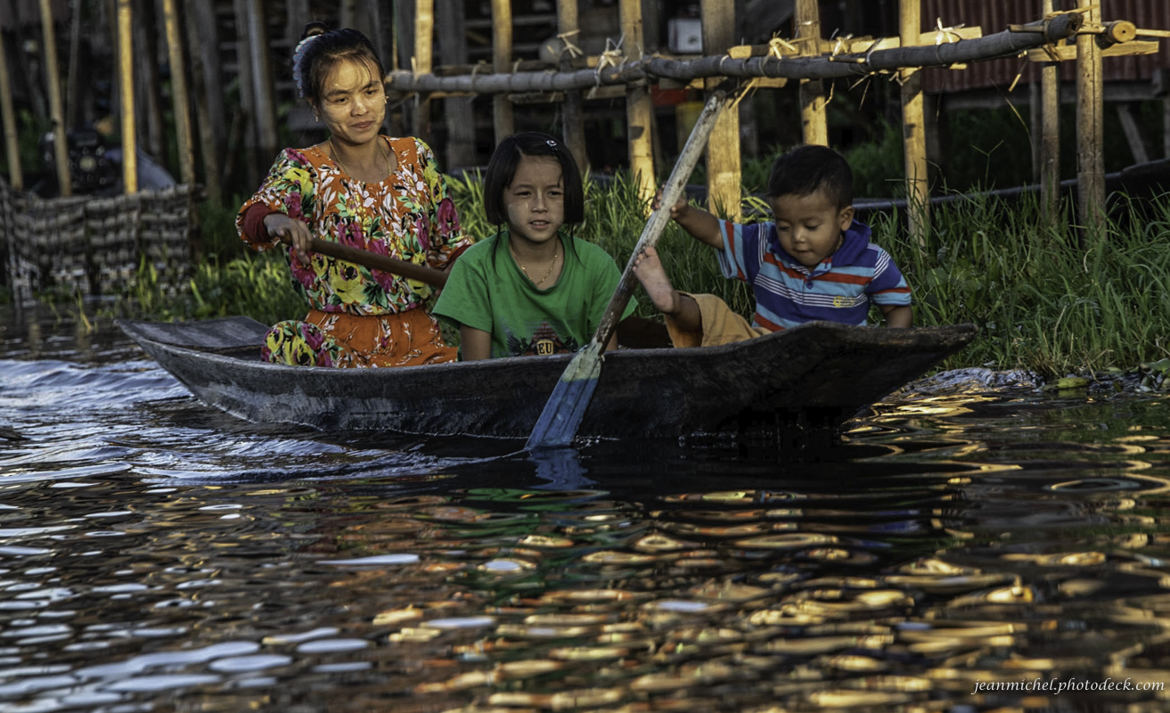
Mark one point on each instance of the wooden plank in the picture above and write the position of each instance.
(8, 116)
(502, 114)
(456, 109)
(126, 90)
(1090, 125)
(203, 34)
(56, 110)
(181, 110)
(813, 120)
(1067, 53)
(913, 128)
(639, 108)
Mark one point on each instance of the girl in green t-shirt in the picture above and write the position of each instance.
(530, 288)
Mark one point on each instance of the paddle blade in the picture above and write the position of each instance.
(566, 406)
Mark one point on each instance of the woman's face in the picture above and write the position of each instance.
(353, 101)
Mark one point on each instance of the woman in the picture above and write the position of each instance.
(361, 189)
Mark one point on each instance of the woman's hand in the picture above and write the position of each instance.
(291, 231)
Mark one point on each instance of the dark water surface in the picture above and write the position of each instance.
(156, 555)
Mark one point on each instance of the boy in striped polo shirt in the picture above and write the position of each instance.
(813, 261)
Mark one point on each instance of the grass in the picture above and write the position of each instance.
(1053, 299)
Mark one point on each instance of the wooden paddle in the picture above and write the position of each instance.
(564, 409)
(374, 261)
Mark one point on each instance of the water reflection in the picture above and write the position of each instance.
(155, 555)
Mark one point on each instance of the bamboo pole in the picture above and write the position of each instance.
(146, 77)
(502, 117)
(424, 57)
(208, 101)
(573, 107)
(457, 110)
(813, 119)
(913, 126)
(8, 116)
(1050, 135)
(639, 109)
(126, 83)
(724, 181)
(56, 109)
(847, 65)
(179, 93)
(262, 73)
(1090, 125)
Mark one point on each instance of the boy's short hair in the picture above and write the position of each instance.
(502, 169)
(810, 168)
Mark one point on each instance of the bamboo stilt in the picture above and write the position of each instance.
(264, 96)
(56, 109)
(1049, 163)
(456, 110)
(424, 57)
(1090, 125)
(179, 93)
(573, 108)
(502, 117)
(724, 180)
(209, 108)
(639, 109)
(8, 116)
(813, 119)
(913, 126)
(126, 82)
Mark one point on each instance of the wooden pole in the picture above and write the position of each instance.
(424, 54)
(1049, 162)
(126, 84)
(639, 109)
(179, 93)
(56, 109)
(262, 73)
(813, 119)
(208, 99)
(1090, 125)
(8, 116)
(573, 108)
(724, 182)
(502, 117)
(458, 111)
(913, 126)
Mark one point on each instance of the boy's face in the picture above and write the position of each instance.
(809, 227)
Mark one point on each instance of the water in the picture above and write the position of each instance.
(156, 555)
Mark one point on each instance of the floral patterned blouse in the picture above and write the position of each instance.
(408, 216)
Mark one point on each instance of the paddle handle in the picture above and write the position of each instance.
(671, 192)
(374, 261)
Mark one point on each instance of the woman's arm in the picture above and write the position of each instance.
(475, 344)
(280, 226)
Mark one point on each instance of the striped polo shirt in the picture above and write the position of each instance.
(787, 293)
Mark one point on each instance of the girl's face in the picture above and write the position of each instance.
(535, 199)
(353, 102)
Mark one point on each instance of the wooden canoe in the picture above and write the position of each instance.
(814, 376)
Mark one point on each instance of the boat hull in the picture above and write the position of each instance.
(818, 374)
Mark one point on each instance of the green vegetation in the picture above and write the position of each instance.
(1051, 299)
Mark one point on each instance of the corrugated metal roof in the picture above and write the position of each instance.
(996, 15)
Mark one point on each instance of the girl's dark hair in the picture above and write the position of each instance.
(810, 168)
(502, 169)
(320, 48)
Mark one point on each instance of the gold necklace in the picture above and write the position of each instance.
(551, 266)
(337, 160)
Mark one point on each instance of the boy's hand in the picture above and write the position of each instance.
(676, 210)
